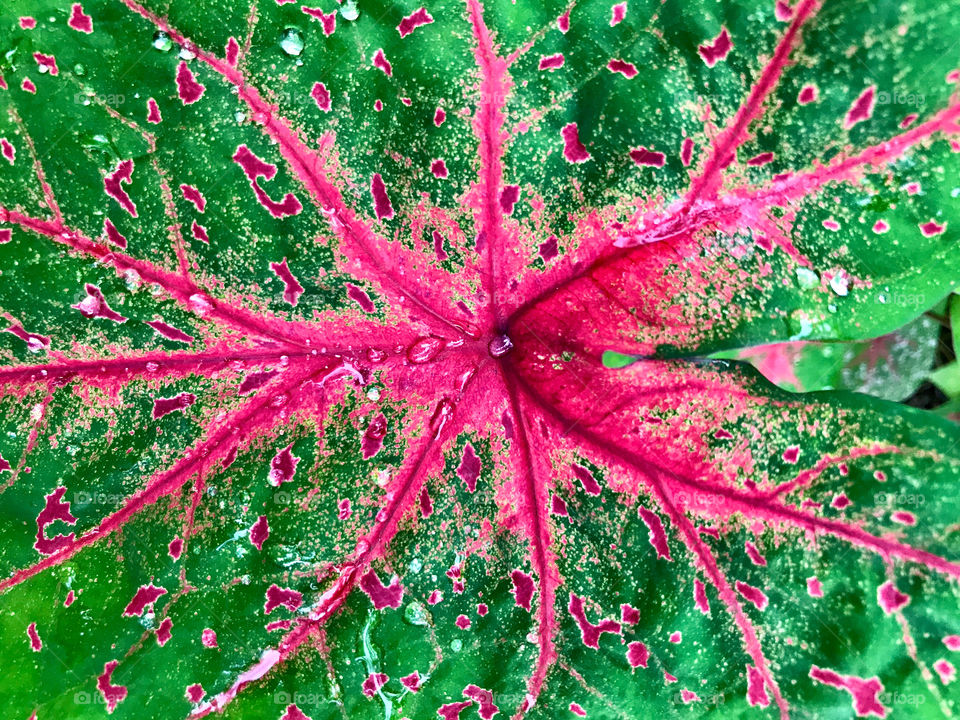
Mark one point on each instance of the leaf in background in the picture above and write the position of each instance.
(891, 367)
(303, 390)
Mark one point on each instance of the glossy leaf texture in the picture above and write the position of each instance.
(307, 402)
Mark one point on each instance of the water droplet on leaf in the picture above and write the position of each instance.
(291, 42)
(807, 278)
(500, 346)
(349, 11)
(416, 614)
(424, 350)
(162, 41)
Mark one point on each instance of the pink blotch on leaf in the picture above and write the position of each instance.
(68, 600)
(688, 696)
(686, 151)
(676, 637)
(549, 249)
(94, 305)
(27, 23)
(558, 506)
(482, 609)
(145, 595)
(484, 699)
(439, 116)
(414, 20)
(153, 112)
(292, 289)
(590, 633)
(113, 185)
(650, 158)
(255, 380)
(862, 108)
(509, 197)
(360, 297)
(577, 710)
(343, 509)
(36, 644)
(281, 597)
(587, 480)
(255, 168)
(164, 632)
(752, 594)
(259, 532)
(451, 711)
(192, 195)
(791, 454)
(551, 62)
(113, 235)
(381, 595)
(658, 538)
(756, 692)
(952, 642)
(174, 548)
(782, 11)
(840, 501)
(283, 467)
(946, 671)
(372, 440)
(426, 504)
(814, 587)
(908, 120)
(28, 86)
(321, 96)
(700, 597)
(208, 638)
(754, 554)
(469, 469)
(80, 21)
(523, 588)
(865, 692)
(373, 683)
(932, 228)
(628, 70)
(438, 245)
(462, 622)
(188, 89)
(880, 227)
(629, 615)
(232, 51)
(890, 599)
(293, 712)
(112, 695)
(194, 693)
(716, 50)
(199, 232)
(807, 95)
(618, 13)
(46, 63)
(8, 151)
(380, 61)
(439, 168)
(327, 20)
(573, 150)
(381, 201)
(637, 654)
(761, 159)
(411, 682)
(563, 22)
(165, 406)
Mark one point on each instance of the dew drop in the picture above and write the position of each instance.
(162, 41)
(416, 614)
(424, 350)
(349, 11)
(186, 54)
(152, 366)
(456, 645)
(375, 356)
(500, 346)
(443, 413)
(807, 278)
(291, 42)
(840, 283)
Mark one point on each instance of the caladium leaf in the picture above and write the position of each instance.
(307, 386)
